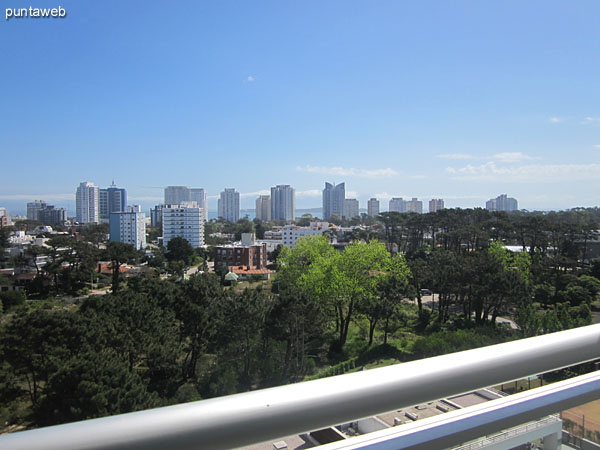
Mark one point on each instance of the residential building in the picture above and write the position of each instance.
(350, 208)
(50, 215)
(436, 204)
(111, 199)
(229, 205)
(175, 195)
(397, 204)
(185, 220)
(129, 226)
(198, 195)
(156, 215)
(87, 203)
(414, 205)
(373, 207)
(502, 203)
(252, 256)
(263, 208)
(290, 234)
(5, 219)
(333, 200)
(283, 203)
(33, 209)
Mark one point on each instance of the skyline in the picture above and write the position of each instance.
(462, 102)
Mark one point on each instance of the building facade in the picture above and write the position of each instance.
(436, 204)
(351, 207)
(252, 256)
(186, 221)
(397, 204)
(156, 215)
(175, 195)
(34, 208)
(87, 203)
(229, 205)
(290, 234)
(51, 215)
(198, 195)
(415, 205)
(263, 208)
(502, 203)
(333, 200)
(111, 199)
(283, 203)
(129, 227)
(373, 207)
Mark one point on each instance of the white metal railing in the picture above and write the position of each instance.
(258, 416)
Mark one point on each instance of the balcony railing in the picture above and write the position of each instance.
(257, 416)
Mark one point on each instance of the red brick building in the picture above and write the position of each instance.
(252, 256)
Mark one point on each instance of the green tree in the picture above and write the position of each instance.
(119, 253)
(179, 249)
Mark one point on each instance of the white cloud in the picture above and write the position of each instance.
(309, 193)
(555, 120)
(255, 194)
(510, 157)
(455, 156)
(348, 172)
(597, 146)
(250, 79)
(526, 173)
(590, 119)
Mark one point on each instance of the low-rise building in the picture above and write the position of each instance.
(253, 256)
(291, 233)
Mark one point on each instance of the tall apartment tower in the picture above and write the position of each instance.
(263, 208)
(373, 207)
(112, 199)
(87, 204)
(502, 203)
(350, 208)
(333, 200)
(198, 195)
(34, 208)
(229, 205)
(397, 204)
(185, 220)
(283, 203)
(175, 195)
(436, 204)
(129, 226)
(414, 205)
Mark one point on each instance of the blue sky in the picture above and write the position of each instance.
(462, 100)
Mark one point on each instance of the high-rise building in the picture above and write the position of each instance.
(52, 216)
(198, 195)
(350, 208)
(175, 195)
(333, 200)
(373, 207)
(111, 199)
(397, 204)
(156, 215)
(502, 203)
(5, 219)
(229, 205)
(129, 226)
(34, 208)
(436, 204)
(185, 220)
(87, 204)
(283, 203)
(263, 208)
(414, 205)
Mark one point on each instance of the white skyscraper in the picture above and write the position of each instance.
(87, 206)
(198, 195)
(414, 205)
(436, 204)
(185, 220)
(333, 200)
(351, 207)
(229, 205)
(373, 207)
(129, 226)
(263, 208)
(174, 195)
(397, 205)
(283, 203)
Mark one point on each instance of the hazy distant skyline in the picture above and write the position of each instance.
(462, 101)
